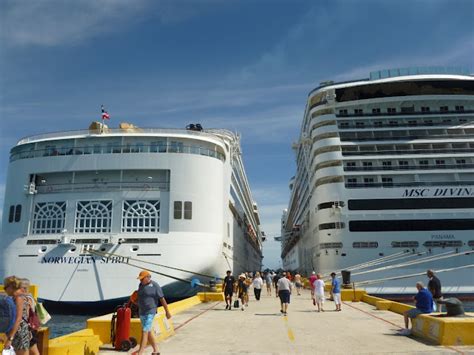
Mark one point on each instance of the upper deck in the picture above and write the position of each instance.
(213, 143)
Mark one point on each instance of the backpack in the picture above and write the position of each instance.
(7, 313)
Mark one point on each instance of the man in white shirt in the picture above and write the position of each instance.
(257, 284)
(319, 293)
(284, 292)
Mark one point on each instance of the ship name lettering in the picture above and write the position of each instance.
(84, 260)
(415, 192)
(454, 191)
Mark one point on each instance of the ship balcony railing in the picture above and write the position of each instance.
(409, 151)
(407, 137)
(409, 167)
(407, 184)
(400, 113)
(103, 186)
(117, 149)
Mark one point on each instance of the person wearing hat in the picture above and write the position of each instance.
(242, 290)
(150, 296)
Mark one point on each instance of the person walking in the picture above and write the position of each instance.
(434, 286)
(312, 278)
(268, 283)
(318, 298)
(228, 287)
(276, 277)
(150, 296)
(19, 336)
(336, 291)
(257, 284)
(25, 285)
(284, 291)
(424, 305)
(298, 284)
(242, 290)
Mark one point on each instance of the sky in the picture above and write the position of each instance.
(243, 65)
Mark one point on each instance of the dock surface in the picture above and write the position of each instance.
(261, 329)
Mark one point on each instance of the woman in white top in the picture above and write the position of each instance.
(257, 285)
(319, 293)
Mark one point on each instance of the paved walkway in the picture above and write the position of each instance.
(261, 329)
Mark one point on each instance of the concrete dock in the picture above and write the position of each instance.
(208, 328)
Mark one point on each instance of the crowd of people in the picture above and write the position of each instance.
(283, 283)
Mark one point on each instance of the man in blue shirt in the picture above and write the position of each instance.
(336, 291)
(424, 305)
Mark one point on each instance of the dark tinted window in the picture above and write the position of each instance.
(411, 225)
(11, 215)
(408, 204)
(17, 213)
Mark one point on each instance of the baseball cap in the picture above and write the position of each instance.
(143, 274)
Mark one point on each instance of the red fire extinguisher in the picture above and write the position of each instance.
(121, 330)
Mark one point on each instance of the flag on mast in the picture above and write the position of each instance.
(105, 114)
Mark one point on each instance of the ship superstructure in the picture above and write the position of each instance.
(385, 167)
(178, 198)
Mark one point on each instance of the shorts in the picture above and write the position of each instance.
(34, 338)
(298, 284)
(147, 322)
(319, 297)
(228, 293)
(337, 298)
(412, 313)
(284, 296)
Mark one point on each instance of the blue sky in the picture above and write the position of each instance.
(244, 65)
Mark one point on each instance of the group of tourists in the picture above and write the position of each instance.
(22, 330)
(283, 283)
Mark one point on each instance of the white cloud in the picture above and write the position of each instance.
(57, 22)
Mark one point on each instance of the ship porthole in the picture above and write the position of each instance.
(134, 248)
(103, 249)
(72, 250)
(43, 249)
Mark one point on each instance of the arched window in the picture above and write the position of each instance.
(141, 216)
(49, 217)
(93, 217)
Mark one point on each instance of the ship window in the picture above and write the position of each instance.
(378, 123)
(461, 161)
(444, 109)
(334, 225)
(188, 210)
(358, 111)
(343, 112)
(386, 164)
(391, 110)
(49, 217)
(460, 108)
(365, 245)
(17, 213)
(387, 181)
(331, 204)
(470, 243)
(425, 109)
(11, 215)
(93, 217)
(411, 225)
(443, 243)
(360, 124)
(405, 244)
(376, 111)
(367, 165)
(412, 123)
(178, 209)
(141, 216)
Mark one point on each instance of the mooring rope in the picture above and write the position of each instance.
(414, 262)
(374, 281)
(127, 262)
(107, 254)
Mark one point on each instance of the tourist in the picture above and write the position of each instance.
(298, 283)
(268, 283)
(242, 290)
(19, 336)
(25, 285)
(312, 278)
(434, 286)
(150, 295)
(284, 291)
(319, 293)
(228, 287)
(257, 285)
(424, 305)
(336, 291)
(276, 277)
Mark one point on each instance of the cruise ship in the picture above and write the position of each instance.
(384, 185)
(86, 210)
